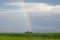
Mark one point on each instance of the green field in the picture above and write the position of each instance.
(28, 36)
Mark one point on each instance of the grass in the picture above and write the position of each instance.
(27, 36)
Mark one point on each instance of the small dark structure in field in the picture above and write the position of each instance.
(28, 32)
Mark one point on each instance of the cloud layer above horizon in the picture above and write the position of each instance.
(44, 17)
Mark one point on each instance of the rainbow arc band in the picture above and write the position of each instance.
(27, 16)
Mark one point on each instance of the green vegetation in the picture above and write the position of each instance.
(29, 36)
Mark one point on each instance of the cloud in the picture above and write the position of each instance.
(43, 16)
(44, 8)
(12, 4)
(39, 8)
(11, 11)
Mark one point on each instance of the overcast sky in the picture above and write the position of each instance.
(44, 15)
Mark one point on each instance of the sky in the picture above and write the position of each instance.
(44, 15)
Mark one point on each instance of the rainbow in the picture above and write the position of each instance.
(27, 16)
